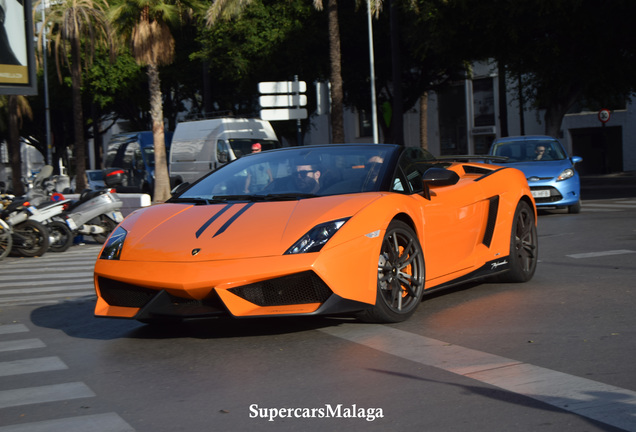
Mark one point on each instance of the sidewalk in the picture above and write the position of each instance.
(615, 185)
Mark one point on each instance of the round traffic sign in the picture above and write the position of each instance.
(604, 115)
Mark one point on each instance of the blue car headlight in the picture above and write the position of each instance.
(114, 244)
(566, 174)
(316, 237)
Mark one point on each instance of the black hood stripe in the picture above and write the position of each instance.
(212, 219)
(230, 221)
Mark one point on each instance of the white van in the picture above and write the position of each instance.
(201, 146)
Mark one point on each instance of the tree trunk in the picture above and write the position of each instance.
(78, 117)
(397, 120)
(14, 147)
(424, 120)
(337, 96)
(162, 179)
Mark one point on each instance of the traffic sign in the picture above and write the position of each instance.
(281, 87)
(283, 114)
(604, 115)
(283, 100)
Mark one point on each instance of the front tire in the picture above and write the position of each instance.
(400, 284)
(524, 247)
(575, 208)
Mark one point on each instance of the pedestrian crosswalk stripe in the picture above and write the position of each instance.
(48, 393)
(25, 366)
(13, 328)
(21, 344)
(109, 422)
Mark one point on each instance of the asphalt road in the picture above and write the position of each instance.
(553, 354)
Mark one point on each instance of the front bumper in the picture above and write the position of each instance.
(338, 280)
(556, 194)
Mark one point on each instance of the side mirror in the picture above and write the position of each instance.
(438, 177)
(178, 189)
(576, 159)
(223, 157)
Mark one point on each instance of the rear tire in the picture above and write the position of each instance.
(524, 247)
(105, 222)
(60, 236)
(400, 283)
(35, 238)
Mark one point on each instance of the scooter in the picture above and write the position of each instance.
(96, 213)
(29, 238)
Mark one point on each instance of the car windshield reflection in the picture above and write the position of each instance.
(294, 173)
(529, 150)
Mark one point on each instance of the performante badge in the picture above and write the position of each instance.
(195, 251)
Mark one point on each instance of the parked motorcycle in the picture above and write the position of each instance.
(6, 239)
(29, 237)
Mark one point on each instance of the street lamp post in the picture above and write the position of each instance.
(374, 111)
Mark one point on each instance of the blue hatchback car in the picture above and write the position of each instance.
(551, 175)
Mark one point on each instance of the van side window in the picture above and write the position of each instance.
(222, 151)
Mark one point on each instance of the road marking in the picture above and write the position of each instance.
(109, 422)
(13, 328)
(600, 254)
(605, 403)
(21, 344)
(43, 364)
(48, 393)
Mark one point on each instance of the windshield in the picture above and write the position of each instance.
(296, 172)
(529, 150)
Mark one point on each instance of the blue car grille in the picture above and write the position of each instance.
(553, 197)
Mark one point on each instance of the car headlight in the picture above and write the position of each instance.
(566, 174)
(114, 244)
(316, 237)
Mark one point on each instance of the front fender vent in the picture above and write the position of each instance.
(300, 288)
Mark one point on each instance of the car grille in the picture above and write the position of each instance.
(299, 288)
(554, 194)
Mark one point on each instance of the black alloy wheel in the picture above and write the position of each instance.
(400, 284)
(524, 246)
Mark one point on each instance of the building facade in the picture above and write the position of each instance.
(466, 117)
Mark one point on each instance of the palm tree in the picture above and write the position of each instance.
(145, 25)
(77, 27)
(225, 9)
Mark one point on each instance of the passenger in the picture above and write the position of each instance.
(258, 175)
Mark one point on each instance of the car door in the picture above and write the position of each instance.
(453, 221)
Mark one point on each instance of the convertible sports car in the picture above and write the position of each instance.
(333, 229)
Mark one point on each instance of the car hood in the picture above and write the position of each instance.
(186, 232)
(543, 169)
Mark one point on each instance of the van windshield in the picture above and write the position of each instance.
(243, 146)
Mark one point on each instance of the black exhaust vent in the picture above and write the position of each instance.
(492, 220)
(299, 288)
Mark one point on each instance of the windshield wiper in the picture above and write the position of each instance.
(291, 196)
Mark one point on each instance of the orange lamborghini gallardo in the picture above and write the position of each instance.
(360, 229)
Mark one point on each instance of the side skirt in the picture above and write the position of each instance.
(491, 268)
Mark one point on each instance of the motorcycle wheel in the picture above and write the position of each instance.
(6, 242)
(108, 224)
(60, 236)
(34, 239)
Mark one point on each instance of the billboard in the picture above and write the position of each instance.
(17, 58)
